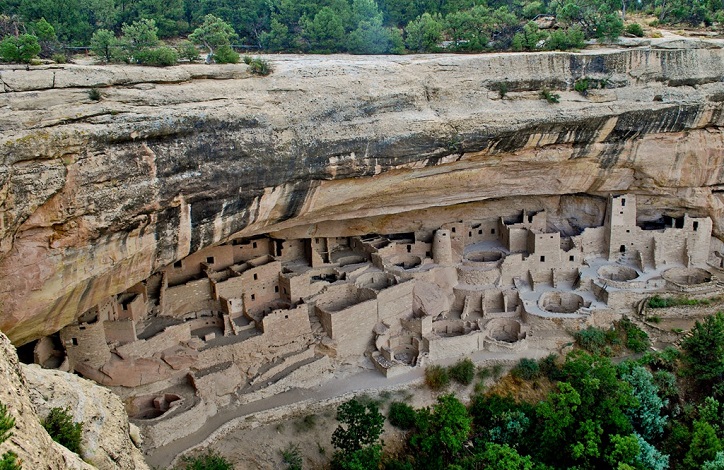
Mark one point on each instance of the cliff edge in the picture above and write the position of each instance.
(29, 392)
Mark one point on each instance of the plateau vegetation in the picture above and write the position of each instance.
(161, 33)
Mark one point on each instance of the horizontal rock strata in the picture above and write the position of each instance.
(98, 195)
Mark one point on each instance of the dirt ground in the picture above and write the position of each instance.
(260, 448)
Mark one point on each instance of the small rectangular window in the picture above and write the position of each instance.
(571, 258)
(256, 276)
(542, 259)
(253, 245)
(74, 341)
(453, 230)
(623, 202)
(253, 297)
(210, 260)
(276, 288)
(480, 232)
(492, 231)
(696, 226)
(470, 234)
(178, 264)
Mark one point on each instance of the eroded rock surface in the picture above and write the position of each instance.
(29, 440)
(96, 196)
(106, 440)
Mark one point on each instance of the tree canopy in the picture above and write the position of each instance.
(356, 26)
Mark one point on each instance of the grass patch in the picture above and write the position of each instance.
(305, 424)
(532, 391)
(463, 372)
(208, 461)
(526, 369)
(292, 456)
(94, 94)
(259, 66)
(592, 339)
(665, 302)
(549, 96)
(437, 377)
(607, 342)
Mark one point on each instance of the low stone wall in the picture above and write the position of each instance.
(455, 346)
(175, 427)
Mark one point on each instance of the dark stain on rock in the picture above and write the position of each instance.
(296, 197)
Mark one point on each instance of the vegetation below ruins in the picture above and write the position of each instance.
(665, 302)
(122, 31)
(662, 410)
(207, 461)
(613, 340)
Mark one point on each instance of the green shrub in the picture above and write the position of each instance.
(527, 369)
(259, 66)
(635, 29)
(636, 339)
(502, 89)
(246, 59)
(463, 372)
(59, 58)
(401, 415)
(208, 461)
(8, 460)
(591, 339)
(549, 367)
(187, 50)
(659, 302)
(293, 457)
(105, 45)
(665, 302)
(582, 85)
(163, 56)
(94, 94)
(572, 38)
(497, 371)
(437, 377)
(485, 373)
(63, 430)
(226, 55)
(549, 96)
(19, 49)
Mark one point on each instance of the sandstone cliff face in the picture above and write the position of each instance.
(98, 195)
(106, 443)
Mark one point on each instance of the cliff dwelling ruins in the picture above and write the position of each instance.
(253, 317)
